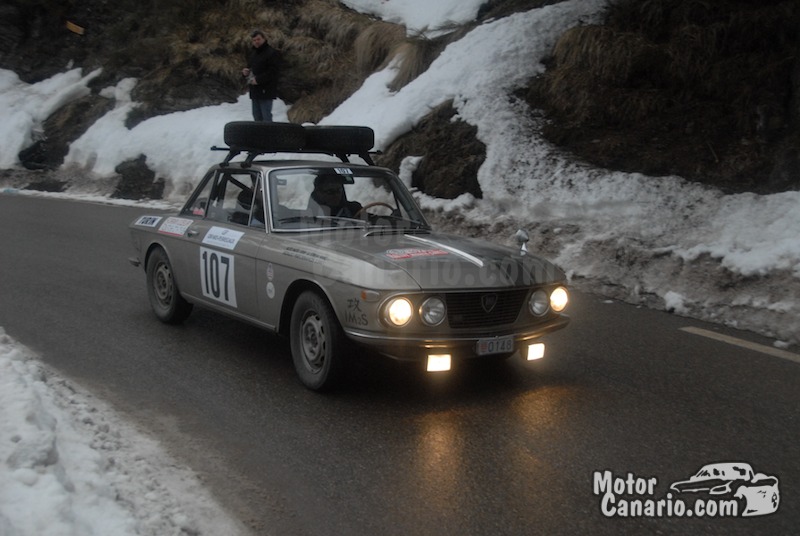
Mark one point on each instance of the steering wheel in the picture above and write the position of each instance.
(363, 209)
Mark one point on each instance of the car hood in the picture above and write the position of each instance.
(436, 261)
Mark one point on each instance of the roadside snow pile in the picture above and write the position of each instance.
(69, 466)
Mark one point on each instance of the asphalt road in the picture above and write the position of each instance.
(512, 449)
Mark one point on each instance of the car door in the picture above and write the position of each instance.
(223, 241)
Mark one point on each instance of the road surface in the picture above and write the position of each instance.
(513, 449)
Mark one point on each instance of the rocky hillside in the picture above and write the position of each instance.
(704, 90)
(709, 91)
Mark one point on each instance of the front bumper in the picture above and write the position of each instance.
(462, 346)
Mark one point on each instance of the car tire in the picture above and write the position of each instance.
(266, 137)
(162, 289)
(339, 139)
(317, 342)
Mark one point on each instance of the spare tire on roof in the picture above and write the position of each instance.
(339, 139)
(265, 137)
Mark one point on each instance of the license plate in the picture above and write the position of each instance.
(495, 345)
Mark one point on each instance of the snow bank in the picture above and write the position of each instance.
(69, 466)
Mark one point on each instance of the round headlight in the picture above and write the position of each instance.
(398, 312)
(432, 311)
(559, 299)
(539, 303)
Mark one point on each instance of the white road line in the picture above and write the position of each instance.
(775, 352)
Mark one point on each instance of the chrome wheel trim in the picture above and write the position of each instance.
(313, 341)
(163, 285)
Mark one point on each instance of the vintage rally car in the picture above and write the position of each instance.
(337, 256)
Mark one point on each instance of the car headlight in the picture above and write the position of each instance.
(559, 299)
(432, 311)
(398, 312)
(539, 303)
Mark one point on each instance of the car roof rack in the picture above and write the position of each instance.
(257, 138)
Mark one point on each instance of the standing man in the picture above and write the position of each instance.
(262, 76)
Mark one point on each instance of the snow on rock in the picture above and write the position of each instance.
(26, 106)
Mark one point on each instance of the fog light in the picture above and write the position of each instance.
(438, 362)
(535, 351)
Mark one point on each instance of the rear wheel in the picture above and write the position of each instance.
(317, 342)
(165, 299)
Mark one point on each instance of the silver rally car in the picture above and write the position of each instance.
(337, 256)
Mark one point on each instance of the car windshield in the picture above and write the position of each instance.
(344, 196)
(723, 472)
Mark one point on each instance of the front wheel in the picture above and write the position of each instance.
(317, 342)
(167, 303)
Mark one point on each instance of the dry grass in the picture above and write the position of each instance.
(375, 43)
(593, 61)
(330, 55)
(416, 54)
(312, 107)
(658, 53)
(680, 86)
(327, 21)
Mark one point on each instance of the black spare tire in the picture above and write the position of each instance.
(265, 137)
(339, 139)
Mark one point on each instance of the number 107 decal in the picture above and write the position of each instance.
(217, 276)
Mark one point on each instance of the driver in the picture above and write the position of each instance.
(329, 199)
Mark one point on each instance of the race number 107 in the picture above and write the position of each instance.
(217, 276)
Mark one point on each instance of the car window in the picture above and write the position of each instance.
(199, 202)
(325, 197)
(231, 196)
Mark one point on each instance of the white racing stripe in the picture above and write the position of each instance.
(463, 254)
(775, 352)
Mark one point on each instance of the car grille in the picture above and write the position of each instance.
(467, 310)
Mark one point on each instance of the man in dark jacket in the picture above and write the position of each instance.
(329, 199)
(262, 76)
